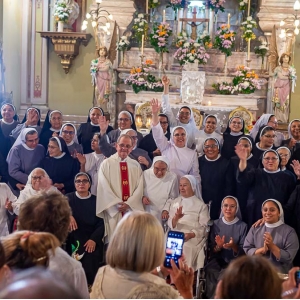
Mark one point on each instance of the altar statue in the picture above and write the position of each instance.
(102, 72)
(284, 82)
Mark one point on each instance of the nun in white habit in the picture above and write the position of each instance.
(160, 184)
(189, 214)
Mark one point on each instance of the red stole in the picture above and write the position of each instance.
(124, 181)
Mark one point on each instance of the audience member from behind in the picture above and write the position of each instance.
(38, 283)
(4, 269)
(26, 249)
(136, 248)
(51, 213)
(249, 277)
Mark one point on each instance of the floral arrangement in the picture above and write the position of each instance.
(190, 51)
(205, 40)
(123, 44)
(292, 72)
(177, 4)
(244, 82)
(216, 5)
(140, 27)
(159, 37)
(224, 40)
(261, 50)
(61, 11)
(243, 4)
(247, 26)
(182, 37)
(141, 80)
(153, 3)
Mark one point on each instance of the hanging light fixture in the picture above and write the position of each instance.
(290, 25)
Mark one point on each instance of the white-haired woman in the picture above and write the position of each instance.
(38, 182)
(160, 184)
(137, 247)
(189, 214)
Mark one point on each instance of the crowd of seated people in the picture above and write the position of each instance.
(99, 202)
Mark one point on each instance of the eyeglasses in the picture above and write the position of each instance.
(68, 132)
(211, 146)
(51, 147)
(236, 123)
(275, 123)
(163, 123)
(94, 141)
(125, 146)
(270, 136)
(270, 158)
(182, 113)
(134, 137)
(37, 177)
(178, 134)
(123, 119)
(229, 206)
(84, 181)
(33, 141)
(284, 155)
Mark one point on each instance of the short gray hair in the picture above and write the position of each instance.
(137, 243)
(126, 136)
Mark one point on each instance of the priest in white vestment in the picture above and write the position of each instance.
(189, 214)
(120, 186)
(160, 184)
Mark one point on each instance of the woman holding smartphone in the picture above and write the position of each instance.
(189, 214)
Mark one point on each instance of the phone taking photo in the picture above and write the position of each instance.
(174, 248)
(297, 278)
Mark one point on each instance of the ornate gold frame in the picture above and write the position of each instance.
(198, 117)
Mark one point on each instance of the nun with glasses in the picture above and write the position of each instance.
(262, 183)
(87, 130)
(267, 120)
(274, 240)
(8, 118)
(125, 121)
(233, 132)
(266, 138)
(51, 127)
(189, 214)
(227, 236)
(285, 155)
(32, 119)
(160, 184)
(25, 155)
(60, 166)
(216, 176)
(69, 133)
(84, 242)
(183, 160)
(184, 118)
(209, 131)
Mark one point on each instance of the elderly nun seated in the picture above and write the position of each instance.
(160, 184)
(189, 214)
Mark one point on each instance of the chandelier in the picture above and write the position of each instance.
(99, 27)
(290, 25)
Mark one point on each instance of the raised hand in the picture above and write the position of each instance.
(45, 183)
(165, 215)
(8, 205)
(296, 167)
(81, 158)
(142, 160)
(241, 152)
(165, 81)
(155, 106)
(179, 214)
(220, 241)
(103, 124)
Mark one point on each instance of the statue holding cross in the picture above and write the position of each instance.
(193, 24)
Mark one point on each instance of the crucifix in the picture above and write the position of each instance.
(193, 24)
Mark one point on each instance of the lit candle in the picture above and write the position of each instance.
(248, 56)
(142, 51)
(228, 21)
(146, 6)
(209, 103)
(164, 15)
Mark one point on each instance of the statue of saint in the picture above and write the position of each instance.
(102, 72)
(285, 78)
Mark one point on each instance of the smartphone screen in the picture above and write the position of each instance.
(174, 247)
(297, 278)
